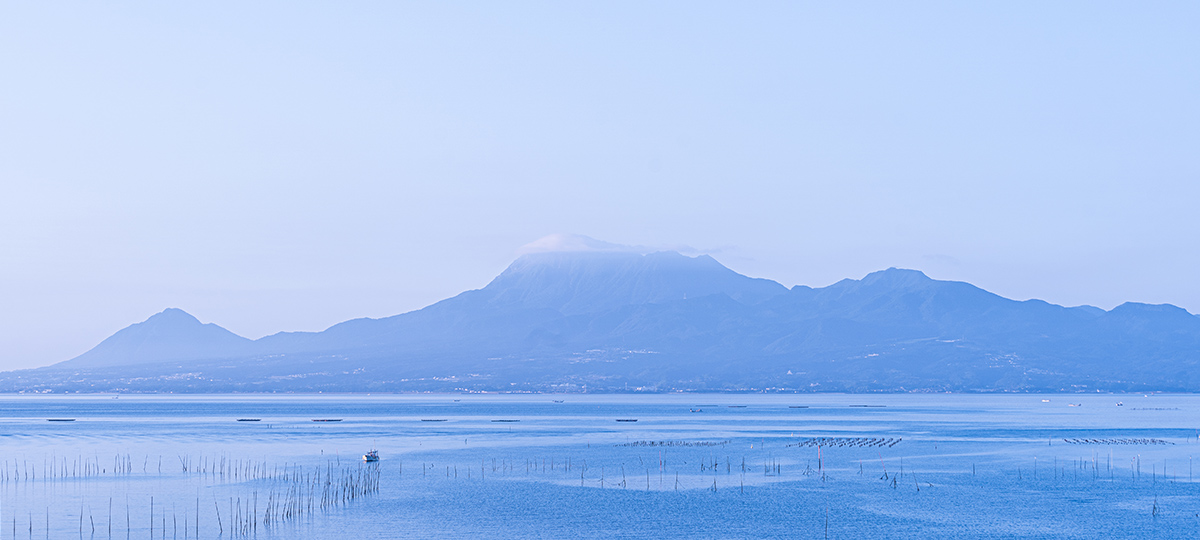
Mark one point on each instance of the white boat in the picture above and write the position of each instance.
(371, 456)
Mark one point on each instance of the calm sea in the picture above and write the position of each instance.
(572, 466)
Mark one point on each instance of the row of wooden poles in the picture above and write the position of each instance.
(771, 466)
(283, 493)
(221, 467)
(1090, 467)
(298, 491)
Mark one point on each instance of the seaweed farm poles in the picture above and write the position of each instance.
(289, 491)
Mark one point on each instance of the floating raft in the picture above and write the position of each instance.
(868, 405)
(673, 443)
(60, 419)
(327, 419)
(433, 419)
(848, 442)
(506, 420)
(249, 419)
(627, 419)
(797, 406)
(1118, 441)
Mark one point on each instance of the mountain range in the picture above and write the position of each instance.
(620, 321)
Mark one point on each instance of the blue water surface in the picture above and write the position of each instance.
(527, 466)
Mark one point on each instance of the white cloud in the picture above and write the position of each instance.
(575, 243)
(578, 243)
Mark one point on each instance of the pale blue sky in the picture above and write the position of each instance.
(288, 165)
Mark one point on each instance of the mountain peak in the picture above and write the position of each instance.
(588, 281)
(896, 277)
(169, 335)
(891, 279)
(172, 316)
(1140, 307)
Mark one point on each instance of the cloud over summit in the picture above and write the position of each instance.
(578, 243)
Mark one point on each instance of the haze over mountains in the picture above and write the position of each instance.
(610, 320)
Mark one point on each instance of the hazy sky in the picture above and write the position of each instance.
(288, 165)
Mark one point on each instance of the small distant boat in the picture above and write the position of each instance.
(1045, 401)
(457, 400)
(1120, 404)
(797, 406)
(558, 401)
(697, 410)
(60, 419)
(868, 405)
(433, 419)
(373, 455)
(1074, 404)
(327, 419)
(627, 419)
(506, 420)
(737, 406)
(249, 419)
